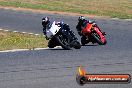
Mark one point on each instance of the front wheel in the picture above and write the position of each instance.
(52, 43)
(83, 40)
(97, 39)
(77, 45)
(63, 41)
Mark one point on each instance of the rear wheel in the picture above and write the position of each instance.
(83, 40)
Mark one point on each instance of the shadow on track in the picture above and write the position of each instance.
(90, 45)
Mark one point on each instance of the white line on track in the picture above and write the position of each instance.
(6, 30)
(121, 19)
(30, 33)
(14, 50)
(15, 31)
(128, 19)
(24, 32)
(36, 34)
(115, 18)
(18, 50)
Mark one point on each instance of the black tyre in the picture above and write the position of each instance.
(97, 39)
(51, 43)
(77, 45)
(83, 40)
(63, 41)
(50, 46)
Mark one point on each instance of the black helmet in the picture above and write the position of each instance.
(45, 21)
(81, 18)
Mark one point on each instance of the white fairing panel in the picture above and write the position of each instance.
(53, 30)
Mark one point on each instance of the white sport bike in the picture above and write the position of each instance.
(60, 35)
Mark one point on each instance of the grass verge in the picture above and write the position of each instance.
(10, 40)
(112, 8)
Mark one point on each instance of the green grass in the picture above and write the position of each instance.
(10, 40)
(112, 8)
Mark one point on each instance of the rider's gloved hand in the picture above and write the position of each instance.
(66, 26)
(59, 24)
(44, 32)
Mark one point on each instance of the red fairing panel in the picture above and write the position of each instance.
(100, 34)
(87, 29)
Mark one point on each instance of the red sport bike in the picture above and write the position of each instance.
(92, 33)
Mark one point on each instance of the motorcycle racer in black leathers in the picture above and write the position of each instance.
(46, 23)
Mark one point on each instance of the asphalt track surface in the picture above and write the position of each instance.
(56, 68)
